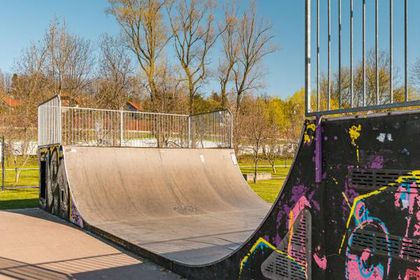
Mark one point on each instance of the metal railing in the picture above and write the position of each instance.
(211, 130)
(99, 127)
(357, 91)
(49, 122)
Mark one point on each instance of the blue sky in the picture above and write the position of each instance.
(23, 21)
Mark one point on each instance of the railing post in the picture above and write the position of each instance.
(59, 125)
(3, 165)
(231, 129)
(121, 128)
(189, 132)
(308, 56)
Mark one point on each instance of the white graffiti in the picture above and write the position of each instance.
(385, 136)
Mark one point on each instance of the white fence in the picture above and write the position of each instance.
(211, 130)
(49, 122)
(99, 127)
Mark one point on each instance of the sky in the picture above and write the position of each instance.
(25, 21)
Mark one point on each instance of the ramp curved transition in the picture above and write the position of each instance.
(191, 206)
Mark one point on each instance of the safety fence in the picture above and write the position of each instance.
(99, 127)
(354, 52)
(211, 130)
(49, 115)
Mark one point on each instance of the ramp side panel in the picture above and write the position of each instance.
(386, 150)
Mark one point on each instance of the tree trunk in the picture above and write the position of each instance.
(273, 167)
(256, 166)
(17, 174)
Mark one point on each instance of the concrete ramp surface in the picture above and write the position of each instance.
(192, 206)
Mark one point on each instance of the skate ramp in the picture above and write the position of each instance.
(188, 205)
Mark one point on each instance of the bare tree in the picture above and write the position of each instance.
(271, 143)
(171, 97)
(68, 59)
(254, 39)
(146, 36)
(115, 73)
(192, 24)
(256, 128)
(230, 52)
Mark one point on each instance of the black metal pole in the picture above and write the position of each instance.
(2, 163)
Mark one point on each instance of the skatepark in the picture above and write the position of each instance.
(162, 194)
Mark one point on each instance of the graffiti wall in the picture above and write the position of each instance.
(57, 198)
(362, 221)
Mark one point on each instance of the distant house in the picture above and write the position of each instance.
(133, 106)
(68, 101)
(9, 102)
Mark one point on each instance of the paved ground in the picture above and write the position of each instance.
(36, 245)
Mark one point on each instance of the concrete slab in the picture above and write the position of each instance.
(37, 245)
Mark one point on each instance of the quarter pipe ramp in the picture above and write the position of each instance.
(349, 208)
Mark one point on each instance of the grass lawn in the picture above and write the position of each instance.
(14, 197)
(27, 177)
(18, 198)
(248, 161)
(268, 189)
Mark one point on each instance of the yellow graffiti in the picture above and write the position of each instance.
(412, 175)
(347, 200)
(307, 137)
(269, 245)
(291, 229)
(354, 133)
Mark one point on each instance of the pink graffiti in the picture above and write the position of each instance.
(412, 274)
(297, 209)
(297, 253)
(358, 268)
(417, 225)
(405, 198)
(320, 261)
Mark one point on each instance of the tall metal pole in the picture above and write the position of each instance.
(377, 52)
(3, 173)
(364, 52)
(308, 56)
(391, 50)
(339, 54)
(406, 49)
(318, 69)
(351, 54)
(329, 55)
(121, 128)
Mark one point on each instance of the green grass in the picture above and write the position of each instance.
(268, 189)
(14, 197)
(18, 198)
(27, 178)
(281, 171)
(248, 160)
